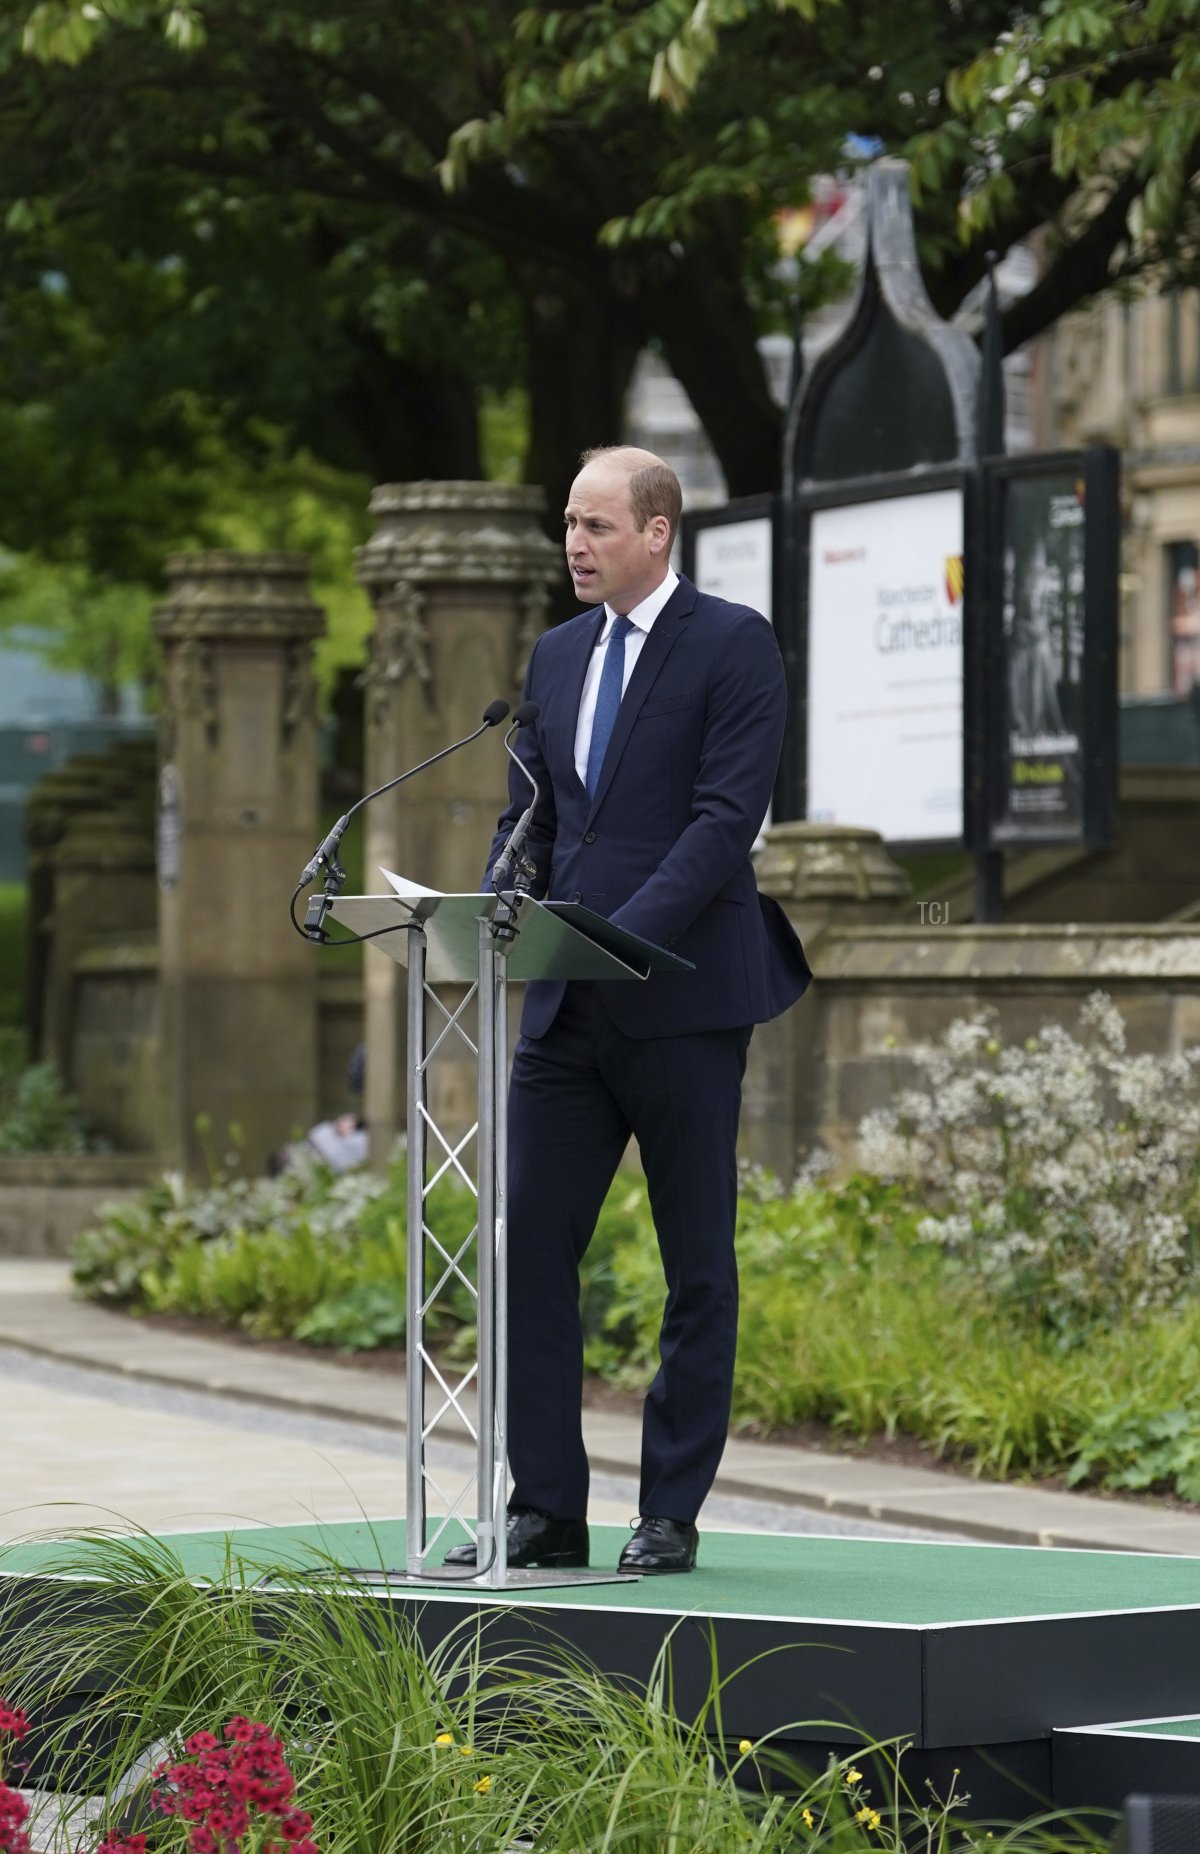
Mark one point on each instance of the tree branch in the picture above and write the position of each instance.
(1081, 269)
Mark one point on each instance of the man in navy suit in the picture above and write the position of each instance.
(661, 715)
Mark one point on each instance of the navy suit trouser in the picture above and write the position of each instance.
(577, 1094)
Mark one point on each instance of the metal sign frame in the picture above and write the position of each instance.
(696, 522)
(1099, 470)
(793, 630)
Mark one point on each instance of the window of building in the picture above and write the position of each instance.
(1183, 614)
(1180, 353)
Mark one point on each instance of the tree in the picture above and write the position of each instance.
(323, 134)
(364, 229)
(1081, 123)
(1073, 121)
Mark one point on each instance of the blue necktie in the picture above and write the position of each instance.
(608, 700)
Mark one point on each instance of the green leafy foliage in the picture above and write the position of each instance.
(849, 1318)
(80, 622)
(222, 216)
(13, 932)
(1064, 1170)
(37, 1114)
(1138, 1449)
(1097, 103)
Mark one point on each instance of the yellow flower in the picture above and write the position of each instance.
(807, 1817)
(444, 1738)
(745, 1746)
(483, 1786)
(466, 1750)
(853, 1777)
(870, 1818)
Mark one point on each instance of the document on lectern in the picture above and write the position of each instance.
(407, 891)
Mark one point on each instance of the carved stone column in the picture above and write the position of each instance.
(459, 575)
(824, 876)
(237, 823)
(57, 799)
(103, 890)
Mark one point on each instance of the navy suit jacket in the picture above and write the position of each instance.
(663, 846)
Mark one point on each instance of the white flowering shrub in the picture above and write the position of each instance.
(1066, 1170)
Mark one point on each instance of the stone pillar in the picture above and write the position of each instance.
(824, 876)
(57, 799)
(459, 575)
(103, 891)
(237, 823)
(831, 874)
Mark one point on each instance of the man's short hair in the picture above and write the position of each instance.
(653, 485)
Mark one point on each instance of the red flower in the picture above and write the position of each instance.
(13, 1838)
(13, 1720)
(114, 1844)
(218, 1786)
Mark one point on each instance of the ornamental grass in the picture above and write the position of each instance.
(344, 1734)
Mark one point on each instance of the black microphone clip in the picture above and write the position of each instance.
(512, 865)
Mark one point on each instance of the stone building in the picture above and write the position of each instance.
(1128, 373)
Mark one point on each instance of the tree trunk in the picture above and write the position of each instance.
(583, 342)
(399, 421)
(706, 325)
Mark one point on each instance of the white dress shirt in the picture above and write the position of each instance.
(641, 618)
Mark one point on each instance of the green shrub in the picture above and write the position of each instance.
(36, 1112)
(850, 1316)
(1065, 1170)
(13, 909)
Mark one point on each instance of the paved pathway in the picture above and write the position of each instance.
(176, 1433)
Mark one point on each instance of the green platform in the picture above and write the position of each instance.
(845, 1580)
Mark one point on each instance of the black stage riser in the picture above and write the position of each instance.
(1107, 1767)
(983, 1697)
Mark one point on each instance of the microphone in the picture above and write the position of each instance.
(493, 714)
(509, 856)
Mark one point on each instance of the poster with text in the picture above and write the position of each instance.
(885, 666)
(1041, 759)
(734, 561)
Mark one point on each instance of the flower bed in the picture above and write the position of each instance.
(1014, 1283)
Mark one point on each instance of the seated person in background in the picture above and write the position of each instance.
(340, 1143)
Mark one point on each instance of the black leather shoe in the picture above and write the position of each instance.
(661, 1545)
(536, 1539)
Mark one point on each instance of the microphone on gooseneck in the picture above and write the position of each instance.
(510, 855)
(493, 714)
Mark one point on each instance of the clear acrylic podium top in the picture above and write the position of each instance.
(555, 939)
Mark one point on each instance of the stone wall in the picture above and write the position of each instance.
(47, 1199)
(179, 991)
(113, 1064)
(1152, 872)
(884, 987)
(115, 1052)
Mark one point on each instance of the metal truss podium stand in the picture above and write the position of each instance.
(480, 942)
